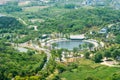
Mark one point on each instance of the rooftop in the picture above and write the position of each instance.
(82, 36)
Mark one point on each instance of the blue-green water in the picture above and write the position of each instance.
(70, 44)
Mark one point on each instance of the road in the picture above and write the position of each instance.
(93, 42)
(47, 53)
(22, 21)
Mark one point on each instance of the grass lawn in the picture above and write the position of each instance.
(88, 68)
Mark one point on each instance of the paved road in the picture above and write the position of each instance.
(47, 53)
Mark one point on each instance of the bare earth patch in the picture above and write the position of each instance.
(110, 63)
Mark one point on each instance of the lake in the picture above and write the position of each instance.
(69, 44)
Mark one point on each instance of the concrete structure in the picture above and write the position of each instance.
(44, 36)
(77, 37)
(103, 31)
(1, 15)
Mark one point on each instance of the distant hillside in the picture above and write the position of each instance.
(9, 22)
(77, 20)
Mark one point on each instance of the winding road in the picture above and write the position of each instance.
(47, 53)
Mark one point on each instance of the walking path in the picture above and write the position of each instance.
(93, 42)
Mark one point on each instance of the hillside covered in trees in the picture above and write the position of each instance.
(78, 20)
(13, 62)
(10, 22)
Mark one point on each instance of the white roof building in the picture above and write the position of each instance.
(77, 37)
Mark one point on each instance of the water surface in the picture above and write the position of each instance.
(69, 44)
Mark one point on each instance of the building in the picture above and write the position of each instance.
(103, 31)
(77, 37)
(44, 36)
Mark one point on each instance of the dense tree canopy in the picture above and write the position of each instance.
(10, 7)
(15, 63)
(10, 22)
(78, 20)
